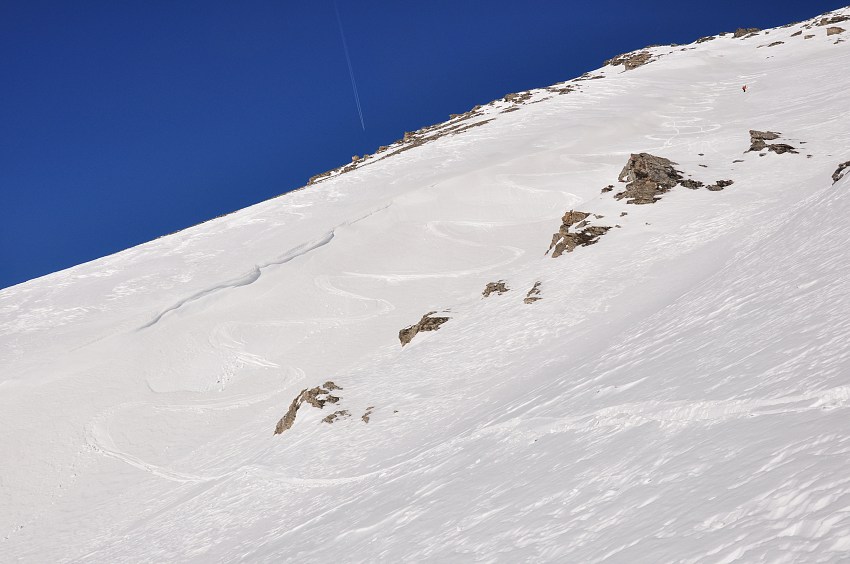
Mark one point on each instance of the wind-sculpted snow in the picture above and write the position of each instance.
(249, 278)
(676, 391)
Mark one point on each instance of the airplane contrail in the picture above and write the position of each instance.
(350, 69)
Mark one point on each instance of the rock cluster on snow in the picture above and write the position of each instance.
(834, 30)
(648, 176)
(758, 138)
(575, 232)
(745, 32)
(317, 397)
(839, 172)
(631, 60)
(427, 323)
(498, 287)
(533, 295)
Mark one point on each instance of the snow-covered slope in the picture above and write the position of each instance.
(680, 392)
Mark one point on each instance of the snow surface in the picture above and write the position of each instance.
(680, 393)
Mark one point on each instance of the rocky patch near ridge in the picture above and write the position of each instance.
(631, 60)
(745, 32)
(575, 231)
(427, 323)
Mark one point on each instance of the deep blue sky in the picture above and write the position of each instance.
(123, 121)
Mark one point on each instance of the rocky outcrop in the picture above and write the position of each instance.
(631, 60)
(692, 184)
(758, 138)
(427, 323)
(341, 414)
(366, 416)
(719, 185)
(833, 20)
(839, 172)
(517, 97)
(834, 30)
(745, 31)
(648, 176)
(317, 397)
(575, 232)
(533, 295)
(497, 287)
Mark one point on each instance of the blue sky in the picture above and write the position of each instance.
(125, 121)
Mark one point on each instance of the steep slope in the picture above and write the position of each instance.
(679, 392)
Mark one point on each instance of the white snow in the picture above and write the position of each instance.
(680, 393)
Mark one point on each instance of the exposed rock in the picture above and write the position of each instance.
(561, 89)
(706, 38)
(797, 33)
(427, 323)
(366, 416)
(289, 419)
(833, 20)
(517, 97)
(317, 397)
(758, 138)
(608, 188)
(511, 109)
(647, 177)
(745, 31)
(575, 232)
(498, 287)
(834, 30)
(808, 36)
(533, 295)
(692, 184)
(631, 60)
(775, 43)
(839, 172)
(317, 177)
(341, 414)
(719, 185)
(780, 148)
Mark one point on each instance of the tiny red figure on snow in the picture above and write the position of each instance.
(744, 88)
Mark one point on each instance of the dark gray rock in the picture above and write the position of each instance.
(719, 185)
(839, 172)
(758, 138)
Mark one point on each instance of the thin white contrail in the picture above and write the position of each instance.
(350, 69)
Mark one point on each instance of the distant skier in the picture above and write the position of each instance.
(744, 88)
